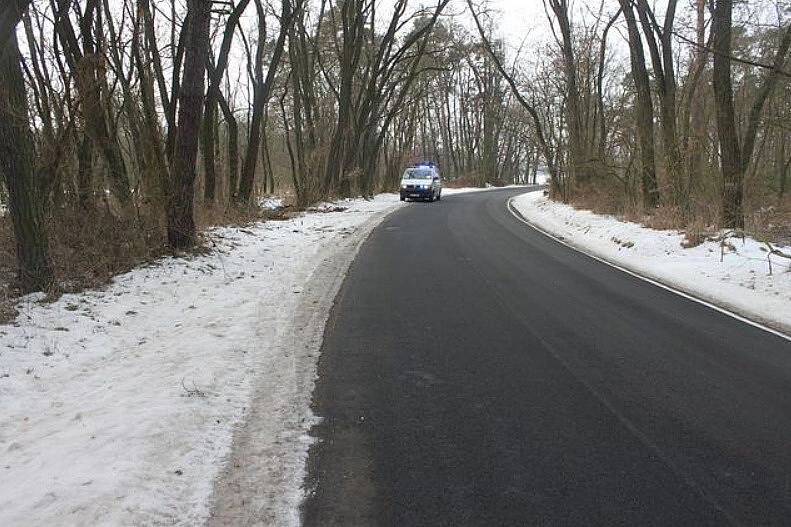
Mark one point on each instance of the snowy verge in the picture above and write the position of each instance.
(741, 282)
(448, 191)
(119, 407)
(261, 481)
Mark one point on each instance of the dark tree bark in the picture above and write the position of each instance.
(660, 45)
(181, 224)
(644, 110)
(693, 122)
(208, 146)
(10, 13)
(781, 166)
(730, 152)
(34, 271)
(233, 144)
(84, 173)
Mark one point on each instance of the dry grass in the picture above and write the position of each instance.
(460, 182)
(766, 217)
(602, 200)
(771, 220)
(88, 248)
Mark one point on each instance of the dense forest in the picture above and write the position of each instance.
(127, 125)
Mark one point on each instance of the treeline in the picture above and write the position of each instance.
(464, 117)
(679, 111)
(152, 112)
(139, 109)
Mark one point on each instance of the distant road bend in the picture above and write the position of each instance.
(477, 372)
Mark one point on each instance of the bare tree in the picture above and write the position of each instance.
(549, 155)
(34, 271)
(736, 154)
(644, 110)
(262, 88)
(181, 224)
(213, 100)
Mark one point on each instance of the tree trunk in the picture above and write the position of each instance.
(85, 172)
(233, 146)
(578, 156)
(261, 96)
(181, 224)
(34, 271)
(644, 110)
(207, 147)
(212, 96)
(10, 14)
(660, 45)
(731, 165)
(90, 78)
(694, 122)
(781, 165)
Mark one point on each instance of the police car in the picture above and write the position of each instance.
(421, 181)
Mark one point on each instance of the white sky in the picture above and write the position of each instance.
(521, 18)
(523, 23)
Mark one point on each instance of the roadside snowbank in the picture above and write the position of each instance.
(741, 282)
(118, 407)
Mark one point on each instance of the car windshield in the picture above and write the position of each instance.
(418, 173)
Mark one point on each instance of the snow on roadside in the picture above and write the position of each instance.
(741, 282)
(448, 191)
(117, 407)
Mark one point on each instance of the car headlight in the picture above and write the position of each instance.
(403, 185)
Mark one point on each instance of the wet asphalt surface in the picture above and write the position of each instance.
(476, 372)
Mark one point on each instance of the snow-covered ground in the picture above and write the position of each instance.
(117, 407)
(127, 406)
(740, 282)
(447, 191)
(271, 202)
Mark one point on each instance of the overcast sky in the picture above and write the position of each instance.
(524, 22)
(518, 18)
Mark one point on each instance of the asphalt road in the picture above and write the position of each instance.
(476, 372)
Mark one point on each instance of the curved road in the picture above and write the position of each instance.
(476, 372)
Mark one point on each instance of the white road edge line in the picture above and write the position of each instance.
(516, 214)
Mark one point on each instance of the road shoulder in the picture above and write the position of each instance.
(740, 285)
